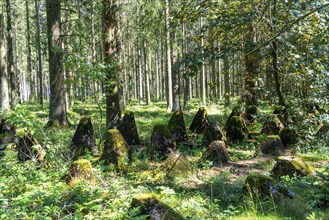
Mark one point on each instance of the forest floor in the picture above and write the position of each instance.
(34, 191)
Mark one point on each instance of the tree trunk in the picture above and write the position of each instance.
(251, 62)
(169, 89)
(148, 75)
(158, 86)
(226, 78)
(114, 93)
(140, 73)
(39, 48)
(68, 69)
(202, 74)
(274, 54)
(10, 57)
(19, 78)
(5, 105)
(28, 45)
(57, 107)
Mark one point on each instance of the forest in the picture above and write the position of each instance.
(164, 109)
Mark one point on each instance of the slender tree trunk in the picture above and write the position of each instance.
(28, 44)
(5, 105)
(57, 108)
(114, 93)
(39, 51)
(10, 57)
(135, 74)
(146, 76)
(176, 78)
(202, 74)
(226, 78)
(213, 75)
(140, 72)
(18, 71)
(169, 89)
(157, 73)
(251, 62)
(274, 53)
(68, 69)
(220, 82)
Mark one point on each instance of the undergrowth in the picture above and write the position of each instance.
(32, 190)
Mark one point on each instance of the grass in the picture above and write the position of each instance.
(33, 191)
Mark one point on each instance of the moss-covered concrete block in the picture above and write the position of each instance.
(200, 121)
(128, 129)
(212, 133)
(217, 153)
(265, 186)
(272, 145)
(177, 127)
(272, 126)
(152, 207)
(177, 165)
(290, 166)
(116, 150)
(236, 129)
(161, 142)
(80, 170)
(84, 139)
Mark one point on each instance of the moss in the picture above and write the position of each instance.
(149, 205)
(116, 150)
(161, 141)
(176, 126)
(258, 184)
(272, 126)
(235, 112)
(217, 153)
(53, 124)
(177, 165)
(162, 130)
(272, 145)
(290, 166)
(236, 129)
(213, 132)
(80, 170)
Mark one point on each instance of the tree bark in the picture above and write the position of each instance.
(40, 75)
(10, 57)
(68, 69)
(148, 75)
(202, 73)
(114, 91)
(57, 105)
(274, 54)
(169, 89)
(251, 63)
(28, 45)
(5, 105)
(226, 78)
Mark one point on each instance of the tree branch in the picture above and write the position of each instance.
(287, 27)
